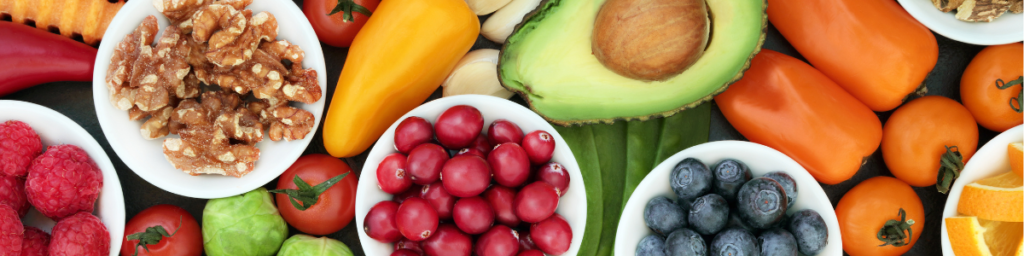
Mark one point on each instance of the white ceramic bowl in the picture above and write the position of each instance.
(1006, 29)
(56, 129)
(759, 158)
(572, 205)
(990, 160)
(146, 157)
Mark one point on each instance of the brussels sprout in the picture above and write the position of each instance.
(303, 245)
(244, 225)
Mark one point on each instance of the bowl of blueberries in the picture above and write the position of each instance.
(728, 198)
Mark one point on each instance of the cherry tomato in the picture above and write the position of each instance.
(185, 239)
(918, 133)
(866, 208)
(333, 29)
(335, 207)
(984, 87)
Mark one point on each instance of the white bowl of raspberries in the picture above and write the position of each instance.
(728, 198)
(471, 175)
(59, 193)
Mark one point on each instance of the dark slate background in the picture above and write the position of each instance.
(74, 99)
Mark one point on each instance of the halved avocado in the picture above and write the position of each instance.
(548, 61)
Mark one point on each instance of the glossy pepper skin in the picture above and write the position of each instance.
(872, 48)
(785, 104)
(30, 56)
(397, 60)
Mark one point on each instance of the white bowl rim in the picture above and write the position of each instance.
(784, 163)
(268, 167)
(969, 32)
(576, 189)
(993, 161)
(114, 216)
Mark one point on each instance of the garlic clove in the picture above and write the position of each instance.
(484, 7)
(476, 73)
(499, 26)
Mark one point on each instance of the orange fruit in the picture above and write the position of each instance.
(971, 236)
(999, 198)
(1014, 151)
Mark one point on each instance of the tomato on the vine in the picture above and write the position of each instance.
(162, 230)
(880, 216)
(326, 204)
(991, 86)
(337, 25)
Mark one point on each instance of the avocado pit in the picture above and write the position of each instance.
(650, 40)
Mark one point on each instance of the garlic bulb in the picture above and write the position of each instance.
(476, 73)
(500, 25)
(485, 7)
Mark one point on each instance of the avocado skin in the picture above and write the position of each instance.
(592, 107)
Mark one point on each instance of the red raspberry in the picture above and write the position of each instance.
(19, 144)
(12, 193)
(81, 234)
(63, 181)
(11, 231)
(35, 242)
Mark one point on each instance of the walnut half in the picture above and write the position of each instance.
(947, 5)
(982, 10)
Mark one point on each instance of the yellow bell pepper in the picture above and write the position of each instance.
(402, 54)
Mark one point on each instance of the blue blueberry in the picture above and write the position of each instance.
(652, 245)
(761, 202)
(777, 242)
(788, 184)
(734, 242)
(685, 242)
(810, 231)
(729, 177)
(690, 179)
(708, 214)
(664, 216)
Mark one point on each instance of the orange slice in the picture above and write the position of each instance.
(999, 198)
(971, 236)
(1016, 154)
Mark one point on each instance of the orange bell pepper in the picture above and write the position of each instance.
(397, 60)
(872, 48)
(785, 104)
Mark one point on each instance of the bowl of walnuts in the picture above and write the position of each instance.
(209, 99)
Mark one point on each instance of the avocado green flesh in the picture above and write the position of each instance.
(548, 60)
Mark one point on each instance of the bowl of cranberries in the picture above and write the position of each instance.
(471, 175)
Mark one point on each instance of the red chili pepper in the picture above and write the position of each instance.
(31, 56)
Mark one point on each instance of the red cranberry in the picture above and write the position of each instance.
(379, 222)
(556, 175)
(501, 199)
(481, 144)
(416, 219)
(458, 126)
(510, 164)
(406, 244)
(525, 242)
(539, 145)
(499, 241)
(553, 235)
(438, 197)
(530, 253)
(405, 253)
(391, 176)
(536, 202)
(473, 215)
(425, 162)
(448, 241)
(413, 191)
(470, 151)
(412, 132)
(466, 176)
(502, 131)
